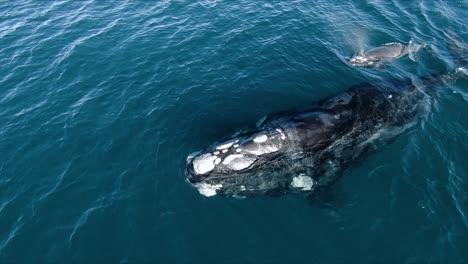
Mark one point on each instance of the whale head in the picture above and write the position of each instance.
(280, 157)
(240, 165)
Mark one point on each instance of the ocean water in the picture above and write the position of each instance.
(102, 101)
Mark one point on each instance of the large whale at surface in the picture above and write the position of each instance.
(303, 150)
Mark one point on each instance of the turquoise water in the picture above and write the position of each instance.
(102, 101)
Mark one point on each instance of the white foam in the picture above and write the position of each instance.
(260, 138)
(208, 190)
(358, 59)
(462, 70)
(204, 163)
(390, 96)
(230, 158)
(302, 181)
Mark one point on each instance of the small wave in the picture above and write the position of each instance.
(12, 233)
(67, 51)
(456, 187)
(83, 219)
(101, 101)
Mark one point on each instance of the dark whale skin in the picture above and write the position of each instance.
(307, 149)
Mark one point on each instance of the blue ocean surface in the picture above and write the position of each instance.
(102, 101)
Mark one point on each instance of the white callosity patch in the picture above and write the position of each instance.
(302, 181)
(226, 145)
(260, 138)
(217, 161)
(281, 132)
(238, 161)
(241, 163)
(264, 144)
(204, 163)
(259, 150)
(230, 158)
(208, 190)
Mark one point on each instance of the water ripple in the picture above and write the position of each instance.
(100, 103)
(11, 234)
(67, 51)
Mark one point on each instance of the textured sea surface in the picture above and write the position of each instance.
(102, 101)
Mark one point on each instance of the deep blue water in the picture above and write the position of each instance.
(102, 101)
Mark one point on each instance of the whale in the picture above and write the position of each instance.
(377, 57)
(304, 150)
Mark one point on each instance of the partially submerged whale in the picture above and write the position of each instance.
(303, 150)
(376, 57)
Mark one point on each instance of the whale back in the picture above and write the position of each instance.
(388, 51)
